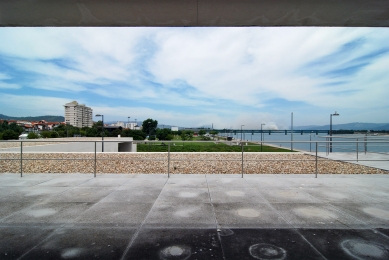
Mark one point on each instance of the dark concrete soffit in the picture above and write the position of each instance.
(361, 13)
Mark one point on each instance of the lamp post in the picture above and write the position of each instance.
(261, 135)
(241, 133)
(102, 132)
(334, 114)
(128, 122)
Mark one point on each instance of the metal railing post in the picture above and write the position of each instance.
(365, 144)
(168, 161)
(242, 156)
(327, 144)
(21, 159)
(357, 150)
(95, 159)
(316, 161)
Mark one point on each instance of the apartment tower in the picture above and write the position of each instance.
(78, 115)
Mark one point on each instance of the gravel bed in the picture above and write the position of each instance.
(180, 163)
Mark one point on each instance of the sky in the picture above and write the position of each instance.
(199, 76)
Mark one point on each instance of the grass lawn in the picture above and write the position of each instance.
(208, 146)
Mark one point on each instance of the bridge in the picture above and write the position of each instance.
(267, 131)
(256, 131)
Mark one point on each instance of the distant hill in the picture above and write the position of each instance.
(34, 118)
(349, 126)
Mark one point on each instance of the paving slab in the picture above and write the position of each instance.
(375, 215)
(114, 214)
(174, 194)
(16, 241)
(248, 215)
(45, 214)
(316, 215)
(338, 195)
(83, 243)
(132, 194)
(188, 182)
(155, 243)
(83, 194)
(348, 244)
(290, 195)
(104, 181)
(266, 244)
(8, 208)
(32, 194)
(67, 216)
(376, 160)
(234, 195)
(181, 215)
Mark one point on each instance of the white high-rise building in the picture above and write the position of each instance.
(78, 115)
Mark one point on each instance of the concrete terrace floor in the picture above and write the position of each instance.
(77, 216)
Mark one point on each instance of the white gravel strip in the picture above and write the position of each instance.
(180, 163)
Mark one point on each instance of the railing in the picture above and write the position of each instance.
(167, 158)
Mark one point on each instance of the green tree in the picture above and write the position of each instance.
(10, 135)
(149, 126)
(213, 132)
(45, 134)
(14, 127)
(98, 127)
(4, 126)
(91, 132)
(202, 132)
(116, 132)
(186, 135)
(164, 134)
(32, 135)
(135, 134)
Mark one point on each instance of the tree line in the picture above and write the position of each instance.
(149, 131)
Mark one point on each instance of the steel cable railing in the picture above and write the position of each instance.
(167, 158)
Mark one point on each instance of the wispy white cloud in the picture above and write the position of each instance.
(4, 85)
(29, 105)
(198, 76)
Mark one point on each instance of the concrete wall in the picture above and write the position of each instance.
(195, 13)
(124, 144)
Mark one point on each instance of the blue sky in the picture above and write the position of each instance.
(199, 76)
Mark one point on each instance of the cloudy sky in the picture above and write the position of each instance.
(199, 76)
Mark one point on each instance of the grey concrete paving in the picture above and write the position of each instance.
(376, 160)
(77, 216)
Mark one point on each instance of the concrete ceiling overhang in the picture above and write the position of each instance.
(361, 13)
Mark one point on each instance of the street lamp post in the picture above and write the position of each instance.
(241, 133)
(334, 114)
(102, 132)
(128, 122)
(261, 135)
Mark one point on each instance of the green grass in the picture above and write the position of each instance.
(210, 146)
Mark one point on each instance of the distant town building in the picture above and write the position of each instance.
(174, 128)
(132, 126)
(119, 123)
(78, 115)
